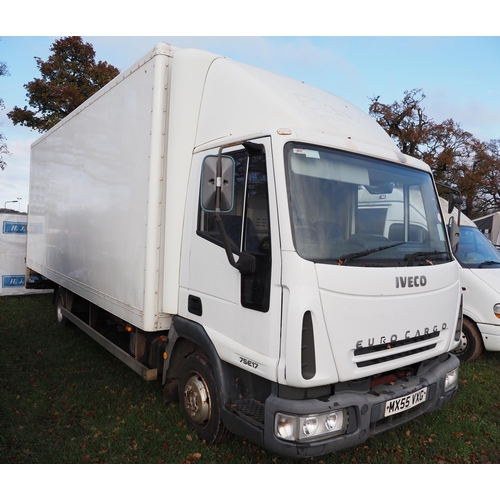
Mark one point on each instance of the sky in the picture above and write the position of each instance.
(459, 71)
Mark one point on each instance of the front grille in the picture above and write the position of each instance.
(385, 352)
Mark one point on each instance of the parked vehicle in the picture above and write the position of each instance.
(13, 254)
(214, 212)
(489, 225)
(480, 278)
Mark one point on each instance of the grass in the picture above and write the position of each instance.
(64, 399)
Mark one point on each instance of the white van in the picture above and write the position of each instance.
(478, 257)
(480, 279)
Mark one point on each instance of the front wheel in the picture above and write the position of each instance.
(199, 399)
(471, 343)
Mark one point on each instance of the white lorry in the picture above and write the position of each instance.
(480, 279)
(211, 210)
(12, 252)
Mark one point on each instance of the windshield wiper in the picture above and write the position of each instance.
(488, 263)
(346, 258)
(415, 256)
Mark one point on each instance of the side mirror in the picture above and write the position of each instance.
(451, 203)
(453, 232)
(209, 184)
(454, 201)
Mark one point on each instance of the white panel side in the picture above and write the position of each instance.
(90, 204)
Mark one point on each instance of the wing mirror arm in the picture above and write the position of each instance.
(246, 262)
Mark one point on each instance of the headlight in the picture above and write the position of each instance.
(309, 427)
(451, 380)
(496, 310)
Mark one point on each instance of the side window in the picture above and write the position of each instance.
(255, 288)
(247, 226)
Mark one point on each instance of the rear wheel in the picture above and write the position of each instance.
(471, 343)
(60, 302)
(199, 399)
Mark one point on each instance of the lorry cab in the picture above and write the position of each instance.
(331, 274)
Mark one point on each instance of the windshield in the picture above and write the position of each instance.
(348, 209)
(475, 250)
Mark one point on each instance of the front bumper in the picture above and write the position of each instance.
(491, 336)
(365, 409)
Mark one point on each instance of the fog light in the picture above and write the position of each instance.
(451, 380)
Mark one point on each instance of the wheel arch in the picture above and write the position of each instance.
(471, 316)
(471, 341)
(186, 337)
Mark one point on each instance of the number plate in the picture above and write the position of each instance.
(405, 402)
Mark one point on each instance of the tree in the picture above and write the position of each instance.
(69, 77)
(3, 146)
(405, 122)
(488, 159)
(452, 153)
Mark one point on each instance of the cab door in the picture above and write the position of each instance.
(240, 312)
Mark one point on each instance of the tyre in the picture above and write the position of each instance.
(60, 301)
(471, 343)
(199, 399)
